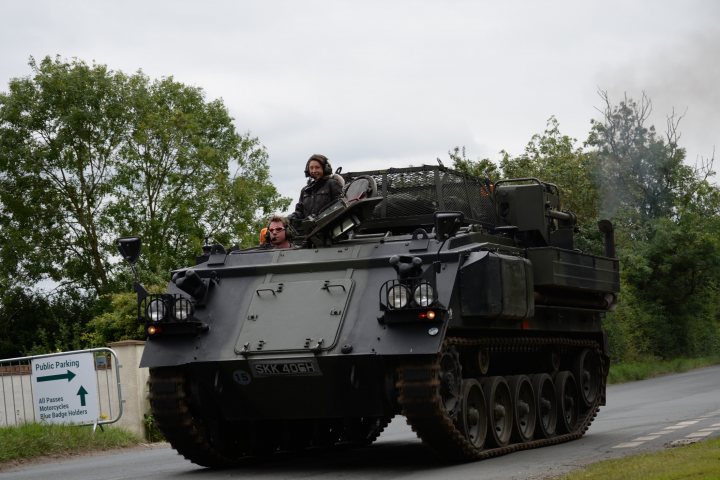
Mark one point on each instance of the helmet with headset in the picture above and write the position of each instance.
(322, 160)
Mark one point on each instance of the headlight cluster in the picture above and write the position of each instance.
(399, 295)
(168, 307)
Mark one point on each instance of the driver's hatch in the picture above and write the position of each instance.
(294, 316)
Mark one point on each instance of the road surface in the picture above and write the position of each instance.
(640, 416)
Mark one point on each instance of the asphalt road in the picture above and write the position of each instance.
(640, 416)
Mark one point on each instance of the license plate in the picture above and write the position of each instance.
(285, 368)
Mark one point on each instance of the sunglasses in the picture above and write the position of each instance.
(279, 229)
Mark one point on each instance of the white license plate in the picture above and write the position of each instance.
(285, 368)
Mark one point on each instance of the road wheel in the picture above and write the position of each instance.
(524, 407)
(473, 416)
(500, 410)
(546, 405)
(588, 374)
(566, 392)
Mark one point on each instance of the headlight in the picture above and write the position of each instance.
(156, 310)
(398, 296)
(182, 309)
(424, 295)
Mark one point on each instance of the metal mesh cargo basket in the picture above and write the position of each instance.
(412, 195)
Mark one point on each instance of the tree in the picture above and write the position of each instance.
(59, 134)
(175, 171)
(640, 174)
(553, 157)
(99, 154)
(32, 322)
(118, 322)
(481, 168)
(666, 215)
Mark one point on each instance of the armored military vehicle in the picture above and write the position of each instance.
(422, 292)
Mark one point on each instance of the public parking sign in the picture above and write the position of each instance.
(65, 388)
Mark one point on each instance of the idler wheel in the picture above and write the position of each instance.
(567, 394)
(500, 410)
(524, 407)
(546, 405)
(473, 417)
(588, 374)
(450, 381)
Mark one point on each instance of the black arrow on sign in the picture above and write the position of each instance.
(49, 378)
(82, 392)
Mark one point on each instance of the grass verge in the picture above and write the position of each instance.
(34, 440)
(697, 461)
(647, 368)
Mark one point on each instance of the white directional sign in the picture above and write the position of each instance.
(65, 388)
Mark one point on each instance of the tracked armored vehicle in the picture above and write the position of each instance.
(423, 292)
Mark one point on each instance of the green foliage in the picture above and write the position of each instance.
(34, 322)
(648, 367)
(631, 326)
(482, 168)
(666, 216)
(176, 171)
(667, 223)
(100, 154)
(59, 132)
(119, 321)
(37, 439)
(641, 175)
(152, 431)
(553, 157)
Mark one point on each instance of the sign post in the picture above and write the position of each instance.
(65, 388)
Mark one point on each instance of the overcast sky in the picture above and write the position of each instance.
(377, 84)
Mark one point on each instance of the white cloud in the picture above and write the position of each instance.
(378, 84)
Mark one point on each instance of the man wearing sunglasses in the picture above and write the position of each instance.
(278, 234)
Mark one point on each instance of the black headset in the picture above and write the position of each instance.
(327, 168)
(286, 226)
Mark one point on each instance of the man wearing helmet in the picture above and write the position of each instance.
(322, 189)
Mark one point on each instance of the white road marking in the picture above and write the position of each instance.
(690, 438)
(628, 445)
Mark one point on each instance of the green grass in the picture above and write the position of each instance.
(642, 369)
(37, 440)
(697, 461)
